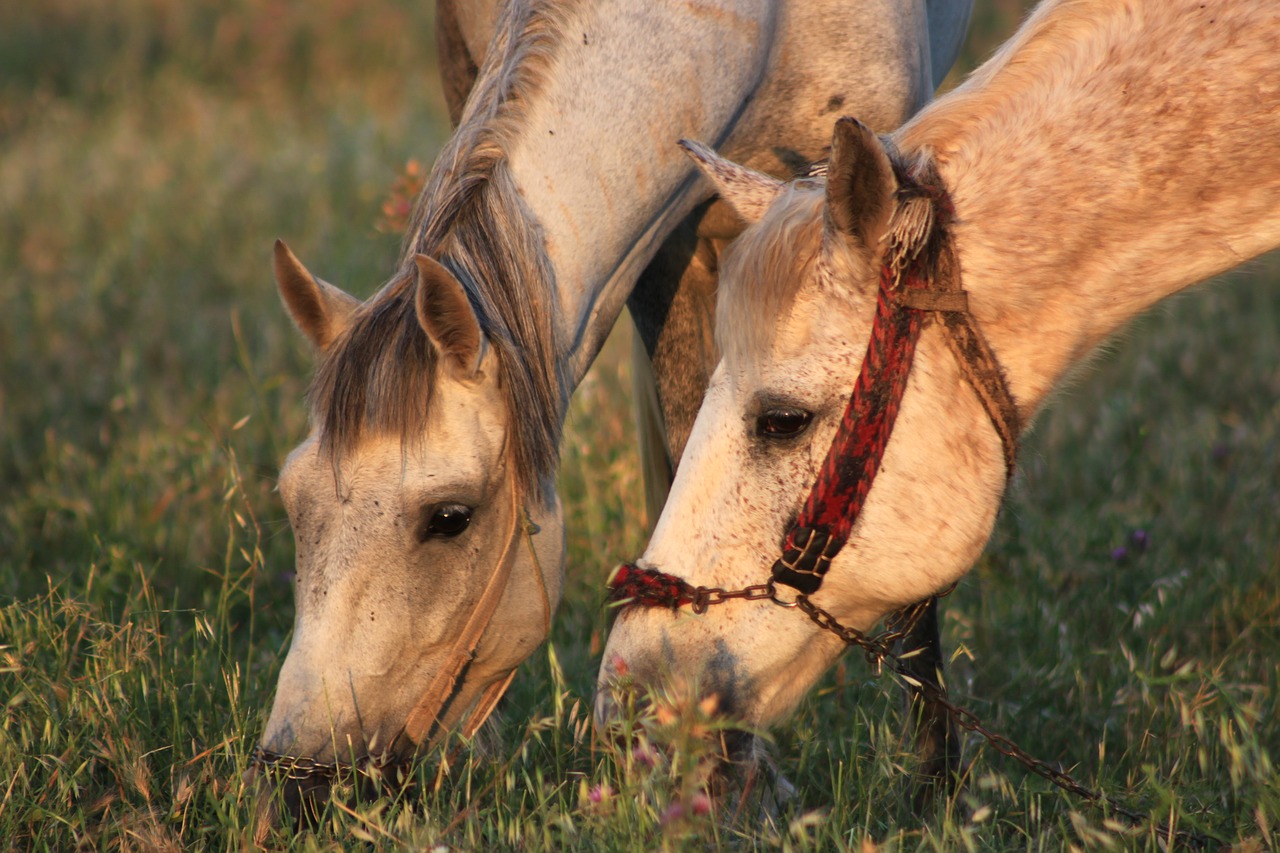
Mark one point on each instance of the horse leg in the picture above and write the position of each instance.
(937, 740)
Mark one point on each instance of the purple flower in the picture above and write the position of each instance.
(643, 755)
(1119, 553)
(673, 813)
(1139, 539)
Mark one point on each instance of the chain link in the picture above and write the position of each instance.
(878, 649)
(297, 768)
(303, 769)
(705, 596)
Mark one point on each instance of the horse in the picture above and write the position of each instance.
(891, 323)
(430, 549)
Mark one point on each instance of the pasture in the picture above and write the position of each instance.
(1124, 622)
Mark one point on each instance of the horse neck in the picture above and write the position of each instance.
(1111, 155)
(593, 155)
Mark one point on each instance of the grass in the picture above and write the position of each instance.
(1125, 620)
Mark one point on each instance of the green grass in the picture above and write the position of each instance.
(150, 384)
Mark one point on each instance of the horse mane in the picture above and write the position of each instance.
(762, 270)
(379, 374)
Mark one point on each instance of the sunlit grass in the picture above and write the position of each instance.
(1125, 621)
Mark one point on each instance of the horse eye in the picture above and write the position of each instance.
(446, 521)
(783, 423)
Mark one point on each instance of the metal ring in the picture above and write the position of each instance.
(773, 596)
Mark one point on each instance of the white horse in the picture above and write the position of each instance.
(423, 502)
(1111, 154)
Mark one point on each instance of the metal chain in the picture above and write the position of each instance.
(294, 767)
(705, 596)
(301, 768)
(878, 649)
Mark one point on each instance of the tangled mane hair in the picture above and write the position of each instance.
(379, 375)
(764, 268)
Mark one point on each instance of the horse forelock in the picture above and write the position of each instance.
(764, 269)
(380, 375)
(377, 376)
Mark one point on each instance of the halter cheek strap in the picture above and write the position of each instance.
(425, 716)
(919, 281)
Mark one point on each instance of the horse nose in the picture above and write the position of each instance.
(622, 688)
(615, 689)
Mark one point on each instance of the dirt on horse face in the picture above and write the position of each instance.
(1182, 177)
(438, 403)
(390, 528)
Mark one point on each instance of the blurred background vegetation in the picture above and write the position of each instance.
(150, 385)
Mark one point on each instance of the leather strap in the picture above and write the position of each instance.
(935, 300)
(949, 304)
(422, 720)
(919, 281)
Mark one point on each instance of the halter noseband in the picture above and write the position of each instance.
(919, 281)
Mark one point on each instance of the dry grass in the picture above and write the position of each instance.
(150, 385)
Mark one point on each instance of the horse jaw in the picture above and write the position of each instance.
(377, 607)
(925, 522)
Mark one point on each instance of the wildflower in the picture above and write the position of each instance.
(643, 755)
(397, 208)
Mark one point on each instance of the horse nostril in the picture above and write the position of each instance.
(606, 709)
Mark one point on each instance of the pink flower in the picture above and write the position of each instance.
(643, 755)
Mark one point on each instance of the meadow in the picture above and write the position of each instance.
(1124, 622)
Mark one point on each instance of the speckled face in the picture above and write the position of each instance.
(394, 545)
(766, 423)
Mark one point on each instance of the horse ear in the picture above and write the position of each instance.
(747, 191)
(860, 183)
(447, 317)
(319, 310)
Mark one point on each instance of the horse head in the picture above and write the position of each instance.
(797, 295)
(414, 526)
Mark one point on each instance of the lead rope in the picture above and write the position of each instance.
(878, 650)
(649, 587)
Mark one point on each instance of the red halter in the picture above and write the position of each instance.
(906, 297)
